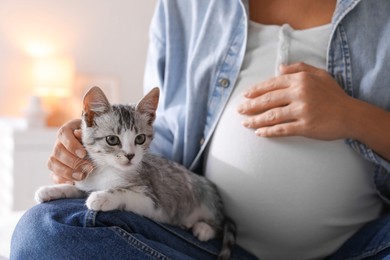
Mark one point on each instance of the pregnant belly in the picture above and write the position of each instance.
(292, 198)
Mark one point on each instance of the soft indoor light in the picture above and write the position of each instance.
(53, 82)
(53, 77)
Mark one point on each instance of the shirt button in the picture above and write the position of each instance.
(224, 82)
(201, 142)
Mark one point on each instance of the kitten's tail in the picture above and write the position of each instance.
(229, 239)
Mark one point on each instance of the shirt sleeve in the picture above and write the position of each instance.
(369, 154)
(382, 168)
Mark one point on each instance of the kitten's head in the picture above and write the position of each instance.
(117, 135)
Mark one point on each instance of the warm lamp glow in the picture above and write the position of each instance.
(53, 82)
(39, 48)
(53, 77)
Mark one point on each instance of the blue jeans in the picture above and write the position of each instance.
(65, 229)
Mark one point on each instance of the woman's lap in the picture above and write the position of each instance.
(65, 229)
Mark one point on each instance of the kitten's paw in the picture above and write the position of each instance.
(101, 201)
(44, 194)
(203, 231)
(58, 191)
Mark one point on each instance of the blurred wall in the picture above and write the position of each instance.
(106, 39)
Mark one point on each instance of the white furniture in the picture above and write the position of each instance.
(24, 153)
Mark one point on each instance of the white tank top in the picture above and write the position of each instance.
(292, 197)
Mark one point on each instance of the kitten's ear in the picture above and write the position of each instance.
(95, 103)
(148, 104)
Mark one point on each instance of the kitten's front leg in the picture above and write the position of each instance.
(128, 200)
(57, 191)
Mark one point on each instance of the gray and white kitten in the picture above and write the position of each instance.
(127, 177)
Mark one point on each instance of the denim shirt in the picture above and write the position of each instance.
(196, 52)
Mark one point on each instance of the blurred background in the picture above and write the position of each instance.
(51, 52)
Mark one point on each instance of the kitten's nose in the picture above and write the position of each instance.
(129, 156)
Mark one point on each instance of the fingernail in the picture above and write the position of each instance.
(259, 132)
(77, 176)
(87, 168)
(240, 109)
(246, 94)
(245, 123)
(281, 67)
(80, 153)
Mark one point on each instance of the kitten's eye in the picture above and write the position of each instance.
(113, 140)
(140, 139)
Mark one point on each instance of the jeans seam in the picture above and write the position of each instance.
(138, 244)
(90, 218)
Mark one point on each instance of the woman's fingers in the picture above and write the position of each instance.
(272, 84)
(67, 162)
(280, 130)
(66, 135)
(66, 165)
(59, 180)
(304, 100)
(298, 67)
(270, 117)
(264, 102)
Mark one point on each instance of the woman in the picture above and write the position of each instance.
(233, 74)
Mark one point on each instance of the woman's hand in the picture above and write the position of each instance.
(302, 101)
(67, 162)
